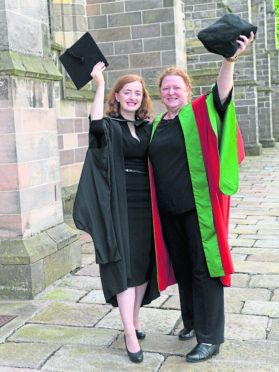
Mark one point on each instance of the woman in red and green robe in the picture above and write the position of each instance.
(194, 155)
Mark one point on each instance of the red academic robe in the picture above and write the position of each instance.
(214, 151)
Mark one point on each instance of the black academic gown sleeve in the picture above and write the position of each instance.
(100, 206)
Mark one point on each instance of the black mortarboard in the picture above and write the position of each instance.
(220, 37)
(80, 59)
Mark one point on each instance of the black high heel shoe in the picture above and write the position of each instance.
(134, 357)
(140, 334)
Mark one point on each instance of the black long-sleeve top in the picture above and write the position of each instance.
(135, 151)
(169, 161)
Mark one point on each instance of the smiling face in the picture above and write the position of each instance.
(174, 93)
(130, 98)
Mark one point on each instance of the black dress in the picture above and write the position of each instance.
(113, 205)
(139, 203)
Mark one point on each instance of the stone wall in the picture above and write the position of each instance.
(274, 64)
(139, 37)
(69, 22)
(144, 37)
(36, 246)
(28, 136)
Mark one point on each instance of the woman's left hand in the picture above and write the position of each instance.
(243, 43)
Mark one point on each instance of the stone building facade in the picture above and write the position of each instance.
(43, 118)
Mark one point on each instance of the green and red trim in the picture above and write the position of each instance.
(214, 150)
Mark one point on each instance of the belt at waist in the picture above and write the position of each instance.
(134, 171)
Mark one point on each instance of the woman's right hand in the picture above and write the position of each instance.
(97, 73)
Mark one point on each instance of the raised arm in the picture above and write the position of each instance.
(97, 109)
(225, 77)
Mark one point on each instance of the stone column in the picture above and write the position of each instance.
(259, 17)
(36, 246)
(274, 65)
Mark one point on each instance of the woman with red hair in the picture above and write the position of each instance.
(113, 201)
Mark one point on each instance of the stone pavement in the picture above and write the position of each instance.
(69, 327)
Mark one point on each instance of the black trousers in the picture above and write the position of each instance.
(201, 297)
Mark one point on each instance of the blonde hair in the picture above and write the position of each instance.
(114, 107)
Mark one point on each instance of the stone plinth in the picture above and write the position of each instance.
(28, 266)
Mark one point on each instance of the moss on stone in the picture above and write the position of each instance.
(25, 65)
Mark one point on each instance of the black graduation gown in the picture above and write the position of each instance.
(100, 209)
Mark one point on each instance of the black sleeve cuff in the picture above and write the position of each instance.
(221, 108)
(96, 126)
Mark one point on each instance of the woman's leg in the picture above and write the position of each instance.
(139, 293)
(126, 303)
(177, 248)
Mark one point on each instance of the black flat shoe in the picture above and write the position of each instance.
(186, 334)
(202, 352)
(140, 334)
(134, 357)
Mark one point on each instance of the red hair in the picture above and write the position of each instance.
(177, 72)
(114, 107)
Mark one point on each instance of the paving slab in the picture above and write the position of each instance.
(71, 358)
(268, 308)
(268, 243)
(272, 226)
(63, 294)
(242, 242)
(94, 297)
(240, 229)
(271, 234)
(263, 235)
(263, 352)
(264, 281)
(22, 310)
(155, 320)
(171, 290)
(82, 282)
(264, 257)
(87, 259)
(174, 364)
(233, 305)
(13, 369)
(240, 280)
(172, 302)
(256, 267)
(245, 294)
(65, 335)
(246, 221)
(165, 344)
(158, 302)
(71, 314)
(27, 355)
(238, 257)
(245, 327)
(89, 270)
(88, 246)
(274, 332)
(257, 251)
